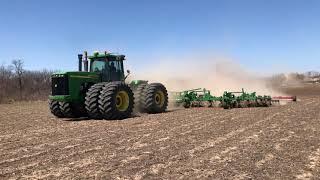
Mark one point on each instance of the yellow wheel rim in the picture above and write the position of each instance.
(159, 98)
(122, 101)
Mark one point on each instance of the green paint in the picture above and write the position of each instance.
(64, 98)
(135, 83)
(76, 81)
(111, 56)
(188, 97)
(227, 100)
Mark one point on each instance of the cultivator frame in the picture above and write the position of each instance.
(245, 100)
(239, 99)
(195, 98)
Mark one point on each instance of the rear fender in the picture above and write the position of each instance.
(135, 83)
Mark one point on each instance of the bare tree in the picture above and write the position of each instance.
(18, 68)
(5, 82)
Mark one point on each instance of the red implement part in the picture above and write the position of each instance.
(290, 98)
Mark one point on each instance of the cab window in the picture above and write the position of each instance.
(109, 70)
(115, 66)
(98, 66)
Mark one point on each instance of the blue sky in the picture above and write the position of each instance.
(258, 34)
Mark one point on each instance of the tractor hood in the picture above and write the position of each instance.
(72, 85)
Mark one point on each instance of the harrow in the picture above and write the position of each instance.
(202, 98)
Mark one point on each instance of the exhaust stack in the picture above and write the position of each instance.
(85, 61)
(80, 61)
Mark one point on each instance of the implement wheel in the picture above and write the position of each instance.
(225, 105)
(269, 102)
(116, 101)
(259, 102)
(186, 104)
(155, 98)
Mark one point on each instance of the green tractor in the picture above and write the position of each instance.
(99, 91)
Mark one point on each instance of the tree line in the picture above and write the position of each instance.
(18, 84)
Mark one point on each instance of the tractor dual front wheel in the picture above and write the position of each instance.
(92, 101)
(64, 109)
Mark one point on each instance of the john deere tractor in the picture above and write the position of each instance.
(99, 91)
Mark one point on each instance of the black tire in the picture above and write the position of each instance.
(67, 110)
(186, 104)
(243, 104)
(259, 102)
(92, 101)
(235, 104)
(108, 101)
(225, 105)
(152, 93)
(264, 103)
(210, 104)
(269, 103)
(55, 109)
(139, 98)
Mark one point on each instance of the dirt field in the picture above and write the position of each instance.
(260, 143)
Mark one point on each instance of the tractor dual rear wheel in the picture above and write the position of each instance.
(155, 98)
(116, 101)
(151, 98)
(139, 98)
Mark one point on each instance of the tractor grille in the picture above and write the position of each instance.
(60, 85)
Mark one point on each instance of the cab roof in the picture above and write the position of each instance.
(111, 56)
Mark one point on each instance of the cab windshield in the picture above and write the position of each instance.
(110, 70)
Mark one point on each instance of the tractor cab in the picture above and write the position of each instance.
(108, 65)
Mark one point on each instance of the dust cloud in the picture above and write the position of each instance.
(217, 74)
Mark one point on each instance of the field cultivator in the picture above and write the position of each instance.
(195, 98)
(243, 99)
(202, 98)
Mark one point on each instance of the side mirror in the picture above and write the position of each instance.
(128, 71)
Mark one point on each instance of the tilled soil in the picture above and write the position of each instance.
(279, 142)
